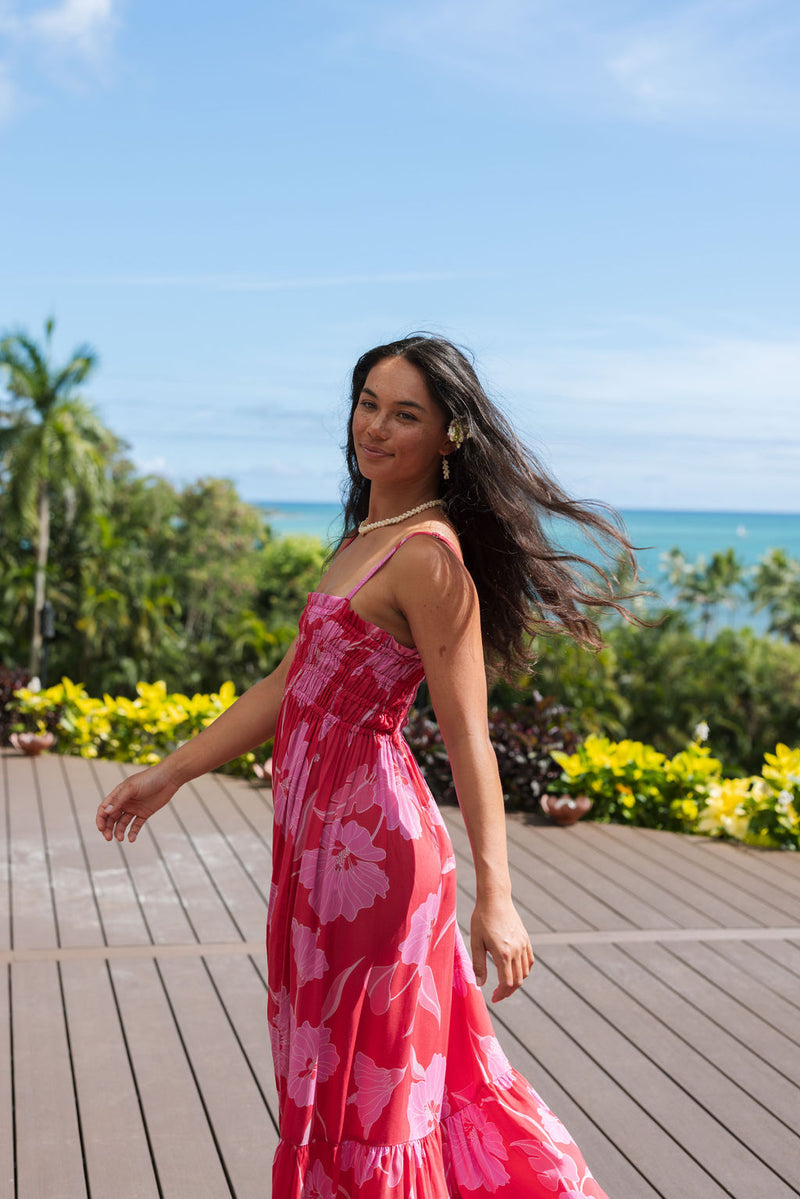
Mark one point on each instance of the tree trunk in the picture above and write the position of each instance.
(42, 554)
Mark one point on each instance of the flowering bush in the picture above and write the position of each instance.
(140, 730)
(633, 783)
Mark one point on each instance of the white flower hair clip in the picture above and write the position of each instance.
(457, 433)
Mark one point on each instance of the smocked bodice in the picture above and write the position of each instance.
(352, 670)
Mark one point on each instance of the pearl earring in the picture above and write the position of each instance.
(445, 468)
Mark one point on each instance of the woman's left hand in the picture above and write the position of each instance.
(497, 929)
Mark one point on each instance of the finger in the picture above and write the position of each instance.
(479, 963)
(505, 979)
(124, 820)
(136, 828)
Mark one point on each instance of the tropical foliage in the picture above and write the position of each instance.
(53, 446)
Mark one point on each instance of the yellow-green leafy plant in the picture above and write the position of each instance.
(141, 730)
(761, 810)
(632, 783)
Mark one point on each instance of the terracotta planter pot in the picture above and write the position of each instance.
(32, 743)
(565, 809)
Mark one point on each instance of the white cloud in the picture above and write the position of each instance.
(81, 26)
(9, 99)
(714, 59)
(52, 45)
(718, 392)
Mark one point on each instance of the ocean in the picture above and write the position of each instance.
(695, 534)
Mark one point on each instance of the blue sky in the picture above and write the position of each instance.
(231, 202)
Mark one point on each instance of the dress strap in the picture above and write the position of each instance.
(393, 551)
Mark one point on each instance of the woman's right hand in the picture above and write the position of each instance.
(134, 800)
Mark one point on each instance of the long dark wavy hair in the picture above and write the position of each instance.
(496, 499)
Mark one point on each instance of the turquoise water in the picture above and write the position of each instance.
(750, 534)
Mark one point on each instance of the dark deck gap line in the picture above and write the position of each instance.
(74, 1082)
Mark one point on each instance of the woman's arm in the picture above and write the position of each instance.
(247, 723)
(438, 598)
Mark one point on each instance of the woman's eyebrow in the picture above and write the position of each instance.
(367, 391)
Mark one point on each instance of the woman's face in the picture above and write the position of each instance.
(399, 430)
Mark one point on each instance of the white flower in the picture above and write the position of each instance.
(701, 731)
(784, 799)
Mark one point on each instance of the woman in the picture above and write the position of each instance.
(391, 1081)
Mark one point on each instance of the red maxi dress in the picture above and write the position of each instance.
(391, 1082)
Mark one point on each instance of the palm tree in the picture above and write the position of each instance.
(775, 585)
(52, 443)
(705, 584)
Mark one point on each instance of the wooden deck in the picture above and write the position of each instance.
(661, 1021)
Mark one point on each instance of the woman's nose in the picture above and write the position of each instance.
(377, 425)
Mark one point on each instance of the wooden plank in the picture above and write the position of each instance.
(694, 1026)
(6, 1095)
(662, 866)
(247, 840)
(244, 902)
(775, 1146)
(77, 916)
(590, 871)
(244, 1133)
(654, 902)
(116, 1151)
(740, 985)
(185, 1156)
(786, 954)
(32, 910)
(672, 861)
(765, 865)
(210, 919)
(48, 1136)
(242, 989)
(5, 856)
(747, 956)
(748, 1028)
(117, 902)
(165, 917)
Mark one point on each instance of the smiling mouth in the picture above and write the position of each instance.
(373, 451)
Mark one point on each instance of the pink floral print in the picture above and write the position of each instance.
(312, 1059)
(374, 1088)
(391, 1082)
(342, 872)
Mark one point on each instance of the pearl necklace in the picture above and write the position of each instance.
(395, 520)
